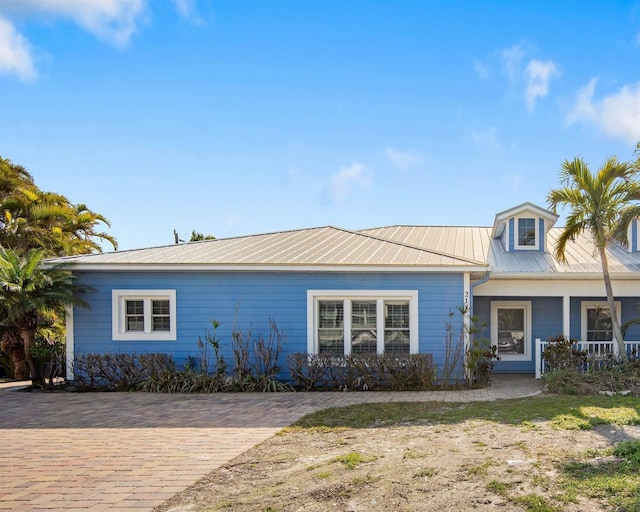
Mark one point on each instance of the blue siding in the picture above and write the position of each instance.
(512, 234)
(634, 236)
(255, 297)
(546, 320)
(541, 235)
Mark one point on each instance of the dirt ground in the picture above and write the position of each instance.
(473, 465)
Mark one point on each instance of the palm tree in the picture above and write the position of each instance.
(601, 205)
(31, 218)
(29, 292)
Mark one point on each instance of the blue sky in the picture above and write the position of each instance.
(235, 117)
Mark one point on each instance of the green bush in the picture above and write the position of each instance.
(50, 356)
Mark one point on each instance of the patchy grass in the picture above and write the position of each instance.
(540, 454)
(565, 413)
(353, 459)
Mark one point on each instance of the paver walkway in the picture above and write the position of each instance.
(132, 451)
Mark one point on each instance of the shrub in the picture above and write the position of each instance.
(562, 353)
(188, 380)
(569, 381)
(119, 372)
(364, 372)
(479, 361)
(256, 361)
(50, 356)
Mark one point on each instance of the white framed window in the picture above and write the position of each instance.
(526, 235)
(596, 320)
(139, 315)
(511, 329)
(341, 322)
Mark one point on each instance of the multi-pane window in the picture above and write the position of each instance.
(364, 335)
(160, 315)
(364, 325)
(134, 315)
(144, 315)
(331, 327)
(396, 327)
(526, 232)
(511, 329)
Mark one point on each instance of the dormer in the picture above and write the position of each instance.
(523, 228)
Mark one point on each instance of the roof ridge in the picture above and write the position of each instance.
(415, 247)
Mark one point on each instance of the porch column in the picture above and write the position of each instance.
(467, 305)
(466, 300)
(566, 316)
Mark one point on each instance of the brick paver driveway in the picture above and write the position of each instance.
(132, 451)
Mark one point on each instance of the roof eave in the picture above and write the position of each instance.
(137, 267)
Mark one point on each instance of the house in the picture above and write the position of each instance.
(335, 291)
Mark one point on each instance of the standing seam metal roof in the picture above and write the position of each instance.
(392, 246)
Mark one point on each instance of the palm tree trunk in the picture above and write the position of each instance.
(28, 338)
(11, 344)
(617, 333)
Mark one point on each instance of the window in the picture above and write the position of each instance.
(143, 315)
(526, 233)
(511, 329)
(362, 322)
(596, 321)
(331, 327)
(396, 327)
(364, 335)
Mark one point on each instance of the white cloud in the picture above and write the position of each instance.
(345, 179)
(184, 7)
(487, 139)
(187, 9)
(481, 69)
(15, 55)
(535, 76)
(538, 74)
(403, 159)
(114, 21)
(616, 115)
(512, 62)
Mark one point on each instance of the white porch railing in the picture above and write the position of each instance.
(597, 350)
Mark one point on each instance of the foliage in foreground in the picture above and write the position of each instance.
(118, 372)
(623, 377)
(395, 372)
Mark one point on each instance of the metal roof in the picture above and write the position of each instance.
(324, 246)
(423, 248)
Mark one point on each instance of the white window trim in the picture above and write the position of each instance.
(512, 304)
(313, 296)
(516, 234)
(118, 309)
(588, 304)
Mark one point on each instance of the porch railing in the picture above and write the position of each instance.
(597, 351)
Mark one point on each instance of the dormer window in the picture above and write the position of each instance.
(526, 232)
(523, 227)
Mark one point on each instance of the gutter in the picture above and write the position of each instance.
(486, 277)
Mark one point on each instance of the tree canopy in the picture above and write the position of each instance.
(601, 205)
(34, 219)
(34, 225)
